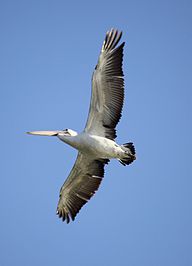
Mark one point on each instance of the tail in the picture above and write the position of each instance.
(130, 154)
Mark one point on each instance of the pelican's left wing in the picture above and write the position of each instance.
(107, 88)
(80, 186)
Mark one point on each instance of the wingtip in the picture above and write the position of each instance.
(66, 217)
(111, 39)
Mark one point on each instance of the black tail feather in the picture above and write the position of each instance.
(130, 154)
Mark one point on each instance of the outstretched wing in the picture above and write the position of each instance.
(80, 186)
(107, 88)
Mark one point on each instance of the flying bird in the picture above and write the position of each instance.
(96, 144)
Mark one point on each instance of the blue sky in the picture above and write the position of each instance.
(141, 214)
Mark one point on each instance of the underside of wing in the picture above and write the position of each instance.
(107, 88)
(80, 186)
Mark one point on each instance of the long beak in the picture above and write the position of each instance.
(44, 133)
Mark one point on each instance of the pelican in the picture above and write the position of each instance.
(96, 144)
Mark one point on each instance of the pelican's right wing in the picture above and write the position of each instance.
(80, 186)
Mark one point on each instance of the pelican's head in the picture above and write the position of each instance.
(58, 133)
(67, 132)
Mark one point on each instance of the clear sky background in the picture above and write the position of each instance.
(141, 215)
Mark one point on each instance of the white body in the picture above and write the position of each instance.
(94, 146)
